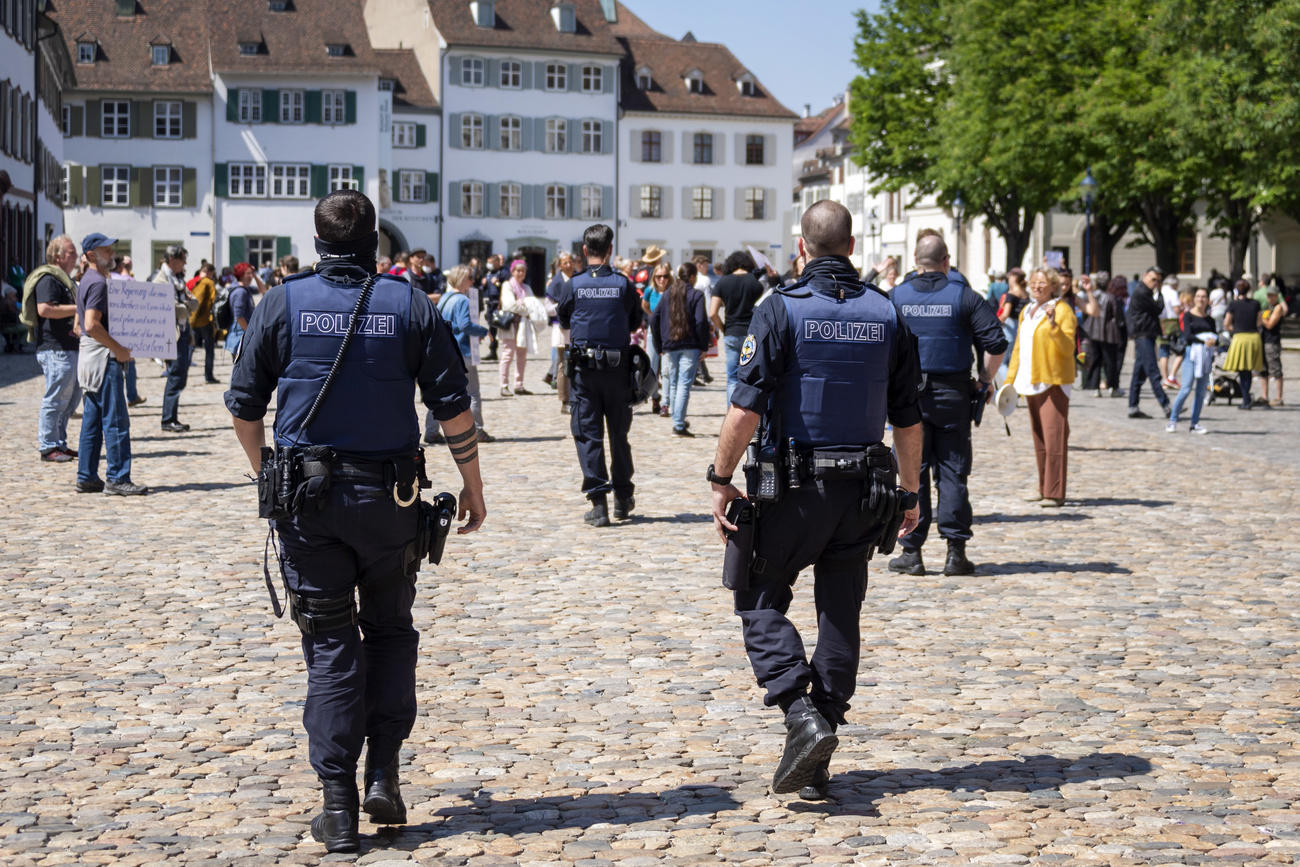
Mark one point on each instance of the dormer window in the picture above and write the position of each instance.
(563, 16)
(694, 82)
(125, 7)
(644, 78)
(280, 5)
(250, 48)
(745, 84)
(86, 52)
(336, 49)
(484, 13)
(161, 55)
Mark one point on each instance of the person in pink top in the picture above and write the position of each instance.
(512, 301)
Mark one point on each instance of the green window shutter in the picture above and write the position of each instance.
(238, 250)
(189, 187)
(270, 106)
(431, 186)
(189, 120)
(78, 119)
(283, 246)
(76, 185)
(359, 175)
(220, 180)
(94, 188)
(313, 106)
(232, 104)
(320, 181)
(92, 118)
(141, 189)
(141, 118)
(453, 206)
(420, 133)
(350, 106)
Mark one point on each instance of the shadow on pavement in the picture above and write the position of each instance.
(197, 486)
(1036, 566)
(679, 518)
(171, 453)
(1075, 448)
(1119, 501)
(856, 792)
(1240, 433)
(481, 812)
(1004, 518)
(510, 439)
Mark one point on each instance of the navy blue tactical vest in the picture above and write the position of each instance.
(370, 410)
(943, 336)
(599, 318)
(836, 393)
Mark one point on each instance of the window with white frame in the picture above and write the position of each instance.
(747, 87)
(652, 200)
(512, 74)
(86, 52)
(166, 119)
(290, 181)
(702, 203)
(593, 78)
(167, 186)
(511, 201)
(65, 184)
(65, 120)
(557, 76)
(755, 203)
(471, 130)
(410, 186)
(557, 135)
(511, 133)
(703, 150)
(341, 178)
(592, 141)
(471, 71)
(248, 49)
(332, 104)
(115, 118)
(754, 150)
(592, 196)
(694, 82)
(161, 55)
(403, 134)
(260, 250)
(557, 201)
(651, 146)
(250, 105)
(644, 78)
(471, 199)
(293, 106)
(247, 180)
(116, 182)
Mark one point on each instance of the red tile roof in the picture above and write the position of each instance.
(525, 24)
(125, 60)
(412, 88)
(294, 41)
(669, 60)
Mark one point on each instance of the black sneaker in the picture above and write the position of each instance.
(485, 437)
(682, 432)
(175, 427)
(909, 563)
(93, 486)
(623, 506)
(125, 489)
(1137, 413)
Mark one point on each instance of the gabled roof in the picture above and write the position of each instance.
(525, 24)
(411, 88)
(294, 40)
(125, 60)
(813, 124)
(669, 59)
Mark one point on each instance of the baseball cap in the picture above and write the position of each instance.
(95, 240)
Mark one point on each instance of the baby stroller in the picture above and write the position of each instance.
(1224, 384)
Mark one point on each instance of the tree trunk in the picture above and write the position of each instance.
(1105, 238)
(1005, 214)
(1163, 221)
(1238, 220)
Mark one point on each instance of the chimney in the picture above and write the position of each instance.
(807, 109)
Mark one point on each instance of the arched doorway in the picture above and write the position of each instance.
(390, 239)
(538, 253)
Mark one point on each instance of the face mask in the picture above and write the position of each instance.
(428, 270)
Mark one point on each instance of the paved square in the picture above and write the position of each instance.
(1118, 683)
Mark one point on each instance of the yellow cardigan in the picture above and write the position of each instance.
(1052, 356)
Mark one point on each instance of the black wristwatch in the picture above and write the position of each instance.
(715, 478)
(908, 500)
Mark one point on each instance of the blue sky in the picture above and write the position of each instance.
(802, 50)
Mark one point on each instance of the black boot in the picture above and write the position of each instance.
(809, 742)
(909, 563)
(623, 506)
(336, 824)
(818, 789)
(957, 564)
(598, 515)
(383, 796)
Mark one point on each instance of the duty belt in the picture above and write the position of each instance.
(597, 358)
(840, 463)
(405, 475)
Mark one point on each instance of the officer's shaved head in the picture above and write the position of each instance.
(931, 251)
(827, 229)
(344, 215)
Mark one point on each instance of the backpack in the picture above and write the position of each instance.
(222, 313)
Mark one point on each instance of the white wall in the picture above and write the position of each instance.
(418, 223)
(676, 174)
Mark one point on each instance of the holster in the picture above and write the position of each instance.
(738, 561)
(432, 528)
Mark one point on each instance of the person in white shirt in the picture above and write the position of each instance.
(1166, 360)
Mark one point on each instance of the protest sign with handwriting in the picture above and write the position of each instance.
(143, 317)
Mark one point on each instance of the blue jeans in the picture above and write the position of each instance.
(132, 392)
(178, 373)
(731, 345)
(1009, 329)
(1201, 384)
(655, 364)
(677, 379)
(61, 393)
(1145, 367)
(104, 422)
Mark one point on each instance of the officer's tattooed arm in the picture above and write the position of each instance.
(462, 440)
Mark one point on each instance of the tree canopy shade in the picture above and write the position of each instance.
(1007, 102)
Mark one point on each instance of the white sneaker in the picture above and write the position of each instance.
(1197, 429)
(1171, 427)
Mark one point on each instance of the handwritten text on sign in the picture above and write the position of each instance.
(142, 317)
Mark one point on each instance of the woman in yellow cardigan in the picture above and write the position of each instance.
(1042, 369)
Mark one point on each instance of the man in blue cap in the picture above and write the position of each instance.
(104, 420)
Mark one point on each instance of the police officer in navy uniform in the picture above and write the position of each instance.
(358, 530)
(948, 317)
(826, 362)
(601, 309)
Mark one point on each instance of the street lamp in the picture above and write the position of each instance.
(958, 211)
(1089, 187)
(873, 229)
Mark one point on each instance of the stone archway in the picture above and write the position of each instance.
(390, 239)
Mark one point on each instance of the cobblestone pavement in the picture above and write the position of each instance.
(1117, 683)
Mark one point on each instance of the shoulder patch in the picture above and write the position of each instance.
(747, 349)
